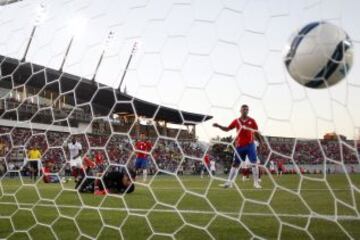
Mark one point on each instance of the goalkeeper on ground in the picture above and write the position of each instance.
(115, 181)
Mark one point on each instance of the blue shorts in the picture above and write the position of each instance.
(54, 179)
(141, 163)
(247, 150)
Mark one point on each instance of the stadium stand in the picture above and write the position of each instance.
(112, 120)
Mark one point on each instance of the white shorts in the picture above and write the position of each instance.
(77, 162)
(212, 169)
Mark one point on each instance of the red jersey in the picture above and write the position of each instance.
(207, 160)
(88, 163)
(280, 163)
(245, 130)
(142, 146)
(99, 159)
(46, 170)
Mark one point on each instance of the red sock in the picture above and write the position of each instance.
(244, 172)
(75, 172)
(247, 172)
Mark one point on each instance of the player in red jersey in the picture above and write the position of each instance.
(48, 177)
(142, 146)
(99, 158)
(100, 162)
(206, 164)
(247, 131)
(88, 164)
(280, 166)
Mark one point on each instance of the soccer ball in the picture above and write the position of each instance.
(319, 55)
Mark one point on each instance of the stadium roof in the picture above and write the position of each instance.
(15, 73)
(7, 2)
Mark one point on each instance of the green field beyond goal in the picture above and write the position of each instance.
(169, 208)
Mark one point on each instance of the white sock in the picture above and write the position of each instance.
(144, 174)
(232, 175)
(255, 173)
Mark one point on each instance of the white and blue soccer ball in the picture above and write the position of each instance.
(319, 55)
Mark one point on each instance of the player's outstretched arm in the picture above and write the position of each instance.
(259, 138)
(225, 129)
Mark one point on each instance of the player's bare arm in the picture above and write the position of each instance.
(259, 138)
(223, 128)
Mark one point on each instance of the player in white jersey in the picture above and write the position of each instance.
(75, 152)
(272, 167)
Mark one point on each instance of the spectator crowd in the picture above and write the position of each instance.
(166, 154)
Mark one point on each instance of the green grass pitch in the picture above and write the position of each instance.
(187, 207)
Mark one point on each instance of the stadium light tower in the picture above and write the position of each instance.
(40, 17)
(135, 46)
(76, 27)
(110, 36)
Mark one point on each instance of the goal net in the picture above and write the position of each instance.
(93, 93)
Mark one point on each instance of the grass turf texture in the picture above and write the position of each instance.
(43, 211)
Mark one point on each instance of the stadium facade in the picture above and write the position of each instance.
(44, 107)
(38, 95)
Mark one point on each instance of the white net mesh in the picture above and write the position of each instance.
(176, 63)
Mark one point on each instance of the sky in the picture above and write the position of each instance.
(207, 56)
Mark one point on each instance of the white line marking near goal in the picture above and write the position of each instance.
(183, 211)
(252, 189)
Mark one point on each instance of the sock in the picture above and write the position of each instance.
(145, 174)
(96, 185)
(255, 172)
(247, 172)
(259, 172)
(232, 175)
(74, 172)
(243, 171)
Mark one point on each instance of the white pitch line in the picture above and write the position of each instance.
(252, 189)
(244, 189)
(333, 217)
